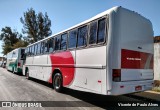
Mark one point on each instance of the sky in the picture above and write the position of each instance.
(66, 13)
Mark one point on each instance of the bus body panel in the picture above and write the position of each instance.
(39, 67)
(90, 69)
(64, 62)
(130, 87)
(110, 50)
(138, 34)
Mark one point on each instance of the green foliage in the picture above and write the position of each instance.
(8, 36)
(11, 40)
(20, 43)
(36, 26)
(157, 89)
(6, 49)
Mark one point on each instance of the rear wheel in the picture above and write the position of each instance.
(13, 70)
(27, 74)
(57, 82)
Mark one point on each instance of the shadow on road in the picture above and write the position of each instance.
(97, 100)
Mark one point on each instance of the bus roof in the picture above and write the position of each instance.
(16, 49)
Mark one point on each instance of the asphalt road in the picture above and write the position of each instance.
(15, 87)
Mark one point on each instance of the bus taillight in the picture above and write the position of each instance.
(19, 64)
(116, 75)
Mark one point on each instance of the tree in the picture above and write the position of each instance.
(20, 43)
(36, 26)
(11, 40)
(6, 48)
(8, 36)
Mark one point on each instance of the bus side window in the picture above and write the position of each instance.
(14, 54)
(26, 51)
(39, 48)
(46, 49)
(33, 49)
(72, 39)
(57, 42)
(64, 41)
(42, 47)
(93, 33)
(101, 31)
(51, 45)
(30, 51)
(35, 52)
(82, 36)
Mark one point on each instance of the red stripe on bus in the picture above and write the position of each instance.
(136, 60)
(63, 58)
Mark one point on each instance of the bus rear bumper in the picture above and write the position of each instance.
(119, 88)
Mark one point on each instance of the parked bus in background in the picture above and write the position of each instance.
(110, 54)
(14, 62)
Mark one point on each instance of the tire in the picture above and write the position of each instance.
(13, 70)
(27, 74)
(57, 82)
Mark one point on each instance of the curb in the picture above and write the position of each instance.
(154, 92)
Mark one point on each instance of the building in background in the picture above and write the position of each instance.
(157, 58)
(2, 61)
(1, 58)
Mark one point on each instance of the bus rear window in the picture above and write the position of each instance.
(22, 51)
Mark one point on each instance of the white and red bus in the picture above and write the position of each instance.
(110, 54)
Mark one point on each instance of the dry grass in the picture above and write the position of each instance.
(156, 86)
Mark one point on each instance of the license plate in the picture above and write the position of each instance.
(138, 88)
